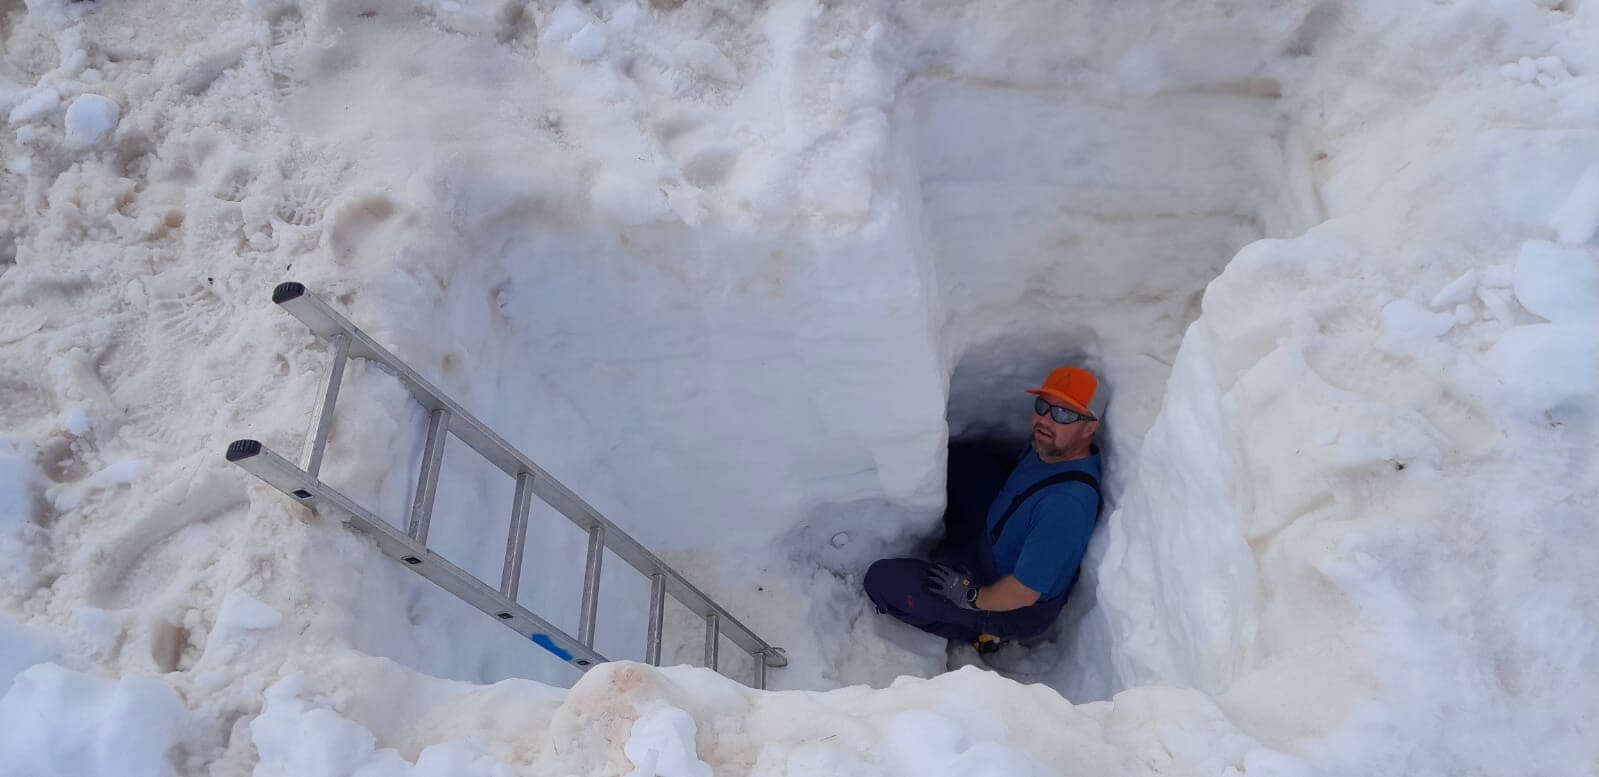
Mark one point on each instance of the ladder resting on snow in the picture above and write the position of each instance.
(410, 546)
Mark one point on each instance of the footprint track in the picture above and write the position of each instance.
(285, 39)
(303, 204)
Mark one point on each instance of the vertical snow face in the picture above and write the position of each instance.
(1371, 472)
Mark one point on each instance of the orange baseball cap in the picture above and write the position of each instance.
(1076, 388)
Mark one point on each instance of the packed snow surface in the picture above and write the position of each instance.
(735, 273)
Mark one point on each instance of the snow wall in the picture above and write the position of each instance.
(735, 273)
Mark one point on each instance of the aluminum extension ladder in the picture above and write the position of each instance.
(410, 546)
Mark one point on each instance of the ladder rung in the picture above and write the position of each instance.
(652, 642)
(330, 398)
(713, 641)
(511, 575)
(427, 484)
(589, 609)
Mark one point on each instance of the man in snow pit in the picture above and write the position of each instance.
(1014, 531)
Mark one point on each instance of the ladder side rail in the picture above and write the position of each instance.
(327, 323)
(278, 472)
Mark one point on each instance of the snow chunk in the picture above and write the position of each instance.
(90, 119)
(1557, 282)
(578, 29)
(662, 745)
(294, 739)
(57, 721)
(1547, 366)
(1459, 290)
(1403, 318)
(588, 43)
(1497, 303)
(1552, 66)
(1576, 221)
(241, 611)
(38, 104)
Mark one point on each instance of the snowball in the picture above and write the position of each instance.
(662, 745)
(1547, 365)
(840, 539)
(1464, 314)
(1459, 290)
(57, 721)
(90, 118)
(1576, 221)
(20, 165)
(39, 103)
(588, 43)
(243, 611)
(1403, 318)
(1558, 283)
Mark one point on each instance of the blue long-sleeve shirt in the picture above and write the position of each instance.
(1044, 540)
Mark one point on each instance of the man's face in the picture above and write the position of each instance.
(1054, 440)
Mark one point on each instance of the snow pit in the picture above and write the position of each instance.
(736, 273)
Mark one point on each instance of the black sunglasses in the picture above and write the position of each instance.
(1058, 414)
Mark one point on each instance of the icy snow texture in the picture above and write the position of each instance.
(725, 269)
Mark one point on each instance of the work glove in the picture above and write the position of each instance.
(953, 584)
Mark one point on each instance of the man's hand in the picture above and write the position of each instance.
(953, 584)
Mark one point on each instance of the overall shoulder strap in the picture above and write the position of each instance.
(1064, 477)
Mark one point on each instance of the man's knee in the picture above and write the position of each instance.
(889, 580)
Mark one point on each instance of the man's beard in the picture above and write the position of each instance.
(1048, 449)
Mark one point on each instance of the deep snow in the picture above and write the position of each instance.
(734, 272)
